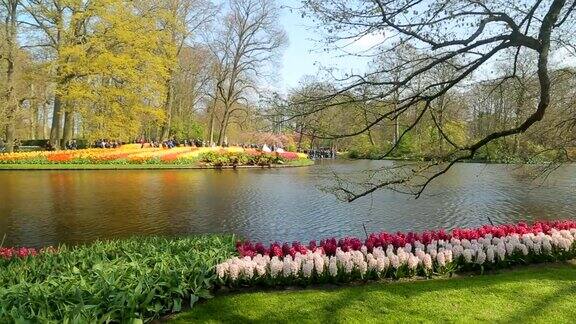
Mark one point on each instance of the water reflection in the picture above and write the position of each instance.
(51, 207)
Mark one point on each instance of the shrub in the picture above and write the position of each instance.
(226, 158)
(140, 278)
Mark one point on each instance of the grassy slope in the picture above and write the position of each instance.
(533, 294)
(297, 163)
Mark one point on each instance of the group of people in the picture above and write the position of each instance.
(105, 143)
(71, 145)
(321, 153)
(171, 143)
(17, 144)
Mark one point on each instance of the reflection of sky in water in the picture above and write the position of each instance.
(47, 207)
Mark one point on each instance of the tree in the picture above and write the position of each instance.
(181, 20)
(191, 85)
(9, 56)
(250, 40)
(466, 36)
(61, 23)
(120, 80)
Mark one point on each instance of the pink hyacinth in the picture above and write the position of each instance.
(405, 240)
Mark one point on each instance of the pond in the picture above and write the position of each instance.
(40, 208)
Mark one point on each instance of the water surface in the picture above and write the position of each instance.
(50, 207)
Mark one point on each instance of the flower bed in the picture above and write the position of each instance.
(399, 255)
(134, 154)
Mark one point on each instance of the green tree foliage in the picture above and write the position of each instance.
(121, 79)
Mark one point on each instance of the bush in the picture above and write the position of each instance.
(140, 278)
(369, 153)
(226, 158)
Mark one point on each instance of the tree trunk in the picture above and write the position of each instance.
(223, 127)
(211, 133)
(212, 120)
(300, 138)
(165, 132)
(441, 124)
(44, 134)
(10, 136)
(55, 131)
(34, 114)
(10, 29)
(68, 127)
(396, 126)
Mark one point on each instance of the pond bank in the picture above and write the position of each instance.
(415, 159)
(55, 167)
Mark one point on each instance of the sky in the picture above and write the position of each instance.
(303, 56)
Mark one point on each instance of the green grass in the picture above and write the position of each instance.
(297, 163)
(545, 293)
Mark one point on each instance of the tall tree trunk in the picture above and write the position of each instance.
(10, 135)
(395, 120)
(213, 117)
(44, 133)
(68, 127)
(369, 132)
(34, 114)
(441, 124)
(165, 132)
(300, 138)
(211, 133)
(56, 130)
(223, 127)
(10, 29)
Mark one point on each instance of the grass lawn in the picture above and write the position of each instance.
(543, 293)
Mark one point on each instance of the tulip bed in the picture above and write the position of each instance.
(133, 154)
(399, 255)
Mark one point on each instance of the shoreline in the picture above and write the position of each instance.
(88, 167)
(463, 161)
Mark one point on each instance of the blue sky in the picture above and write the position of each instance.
(303, 55)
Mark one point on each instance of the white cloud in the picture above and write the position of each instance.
(368, 41)
(563, 58)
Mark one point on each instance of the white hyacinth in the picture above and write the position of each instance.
(413, 262)
(234, 271)
(490, 254)
(427, 262)
(441, 259)
(394, 261)
(480, 257)
(333, 267)
(307, 268)
(467, 255)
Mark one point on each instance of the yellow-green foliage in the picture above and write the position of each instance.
(120, 78)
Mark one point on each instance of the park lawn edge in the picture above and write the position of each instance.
(516, 294)
(54, 167)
